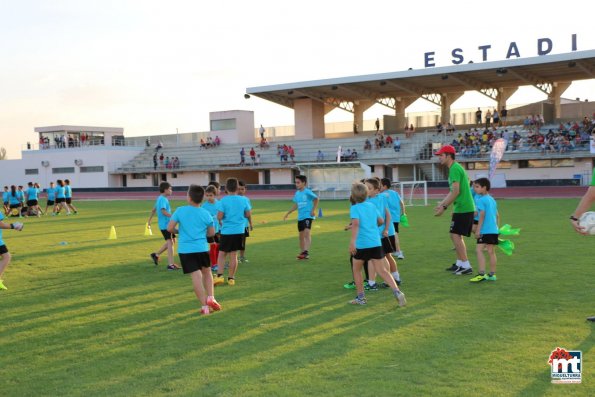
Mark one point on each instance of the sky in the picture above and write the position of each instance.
(152, 67)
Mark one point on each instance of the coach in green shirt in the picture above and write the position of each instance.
(463, 208)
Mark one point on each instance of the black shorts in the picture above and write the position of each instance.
(231, 242)
(388, 244)
(475, 222)
(6, 203)
(247, 231)
(68, 200)
(396, 225)
(50, 202)
(491, 239)
(3, 249)
(194, 261)
(462, 223)
(16, 205)
(31, 203)
(213, 239)
(305, 224)
(167, 235)
(365, 254)
(59, 200)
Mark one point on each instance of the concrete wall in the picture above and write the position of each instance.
(244, 131)
(281, 176)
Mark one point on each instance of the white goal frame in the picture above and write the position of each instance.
(413, 190)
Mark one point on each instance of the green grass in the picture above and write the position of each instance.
(96, 318)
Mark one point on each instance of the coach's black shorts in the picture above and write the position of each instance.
(3, 249)
(491, 239)
(388, 244)
(59, 200)
(247, 231)
(50, 202)
(194, 261)
(68, 200)
(396, 225)
(31, 203)
(462, 223)
(167, 235)
(305, 224)
(366, 254)
(231, 242)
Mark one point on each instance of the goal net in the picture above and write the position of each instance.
(413, 192)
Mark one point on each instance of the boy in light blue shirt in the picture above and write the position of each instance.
(486, 231)
(306, 202)
(397, 209)
(194, 225)
(68, 196)
(163, 211)
(232, 213)
(242, 188)
(365, 244)
(51, 192)
(210, 205)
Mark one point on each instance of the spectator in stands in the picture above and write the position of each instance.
(496, 117)
(348, 154)
(367, 145)
(411, 131)
(257, 159)
(478, 116)
(354, 155)
(242, 157)
(217, 140)
(203, 144)
(450, 129)
(377, 124)
(488, 119)
(147, 141)
(264, 144)
(167, 163)
(161, 158)
(291, 153)
(253, 155)
(388, 140)
(155, 161)
(397, 145)
(319, 156)
(261, 131)
(439, 127)
(355, 128)
(503, 116)
(159, 146)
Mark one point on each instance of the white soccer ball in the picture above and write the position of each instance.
(587, 220)
(18, 226)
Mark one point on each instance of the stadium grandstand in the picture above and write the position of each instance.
(557, 150)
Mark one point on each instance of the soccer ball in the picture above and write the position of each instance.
(587, 220)
(18, 226)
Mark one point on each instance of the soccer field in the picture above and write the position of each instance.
(85, 315)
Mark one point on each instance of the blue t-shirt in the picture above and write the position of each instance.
(234, 219)
(51, 193)
(16, 199)
(305, 203)
(212, 210)
(162, 203)
(1, 241)
(247, 224)
(67, 191)
(5, 196)
(487, 204)
(367, 215)
(192, 225)
(475, 197)
(394, 205)
(60, 192)
(32, 193)
(381, 205)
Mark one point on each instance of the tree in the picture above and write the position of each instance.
(2, 153)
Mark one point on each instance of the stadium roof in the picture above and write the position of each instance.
(542, 72)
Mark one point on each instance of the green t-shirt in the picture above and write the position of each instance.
(464, 201)
(593, 179)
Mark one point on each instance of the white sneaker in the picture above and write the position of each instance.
(400, 255)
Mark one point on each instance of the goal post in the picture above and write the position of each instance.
(413, 192)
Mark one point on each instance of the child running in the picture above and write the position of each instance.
(306, 202)
(386, 231)
(211, 193)
(194, 225)
(5, 199)
(51, 192)
(365, 244)
(487, 230)
(68, 196)
(4, 254)
(232, 213)
(163, 210)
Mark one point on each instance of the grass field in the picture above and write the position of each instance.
(95, 317)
